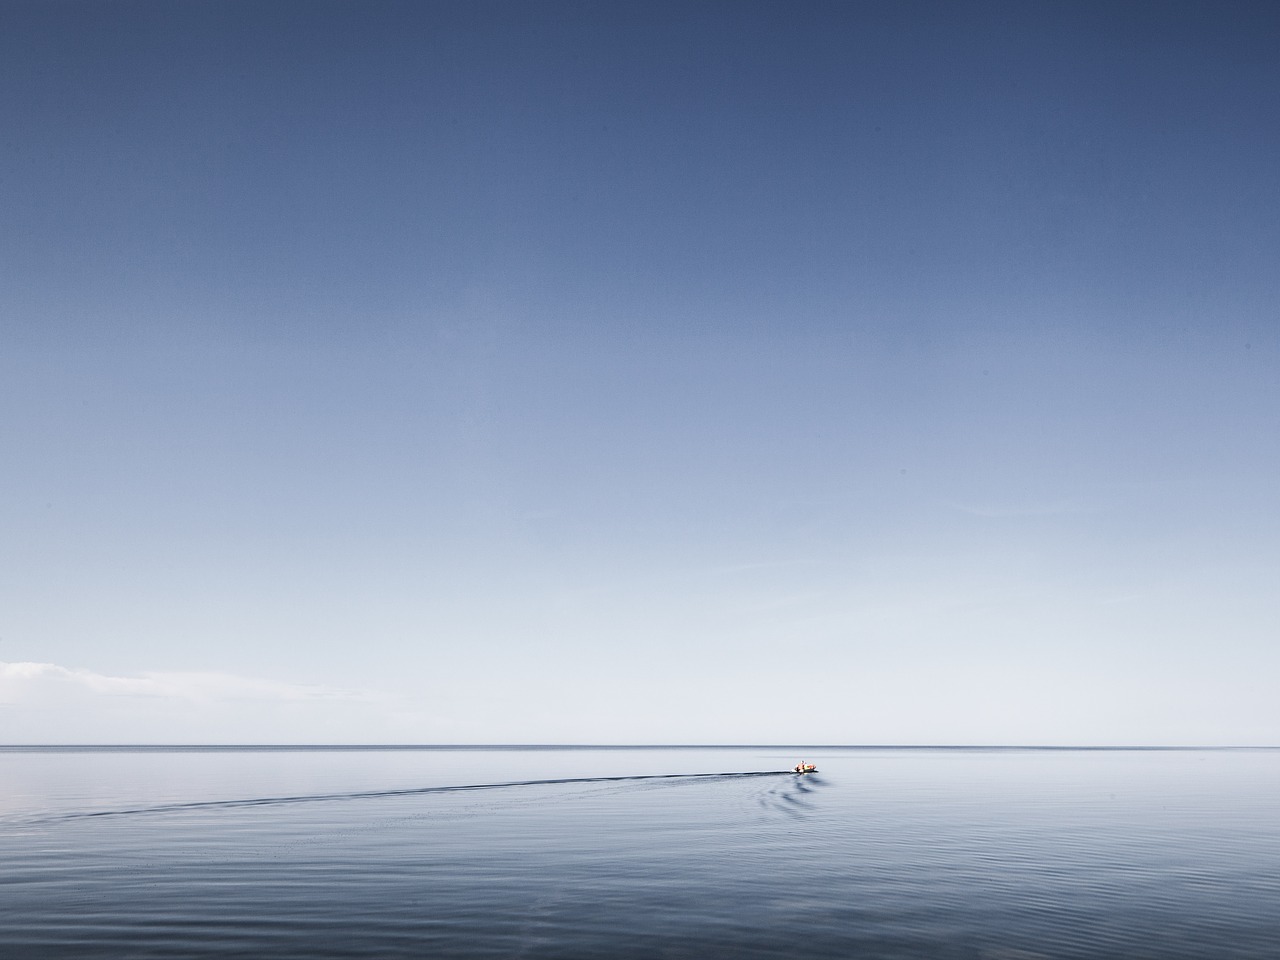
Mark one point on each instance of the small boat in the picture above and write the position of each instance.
(804, 768)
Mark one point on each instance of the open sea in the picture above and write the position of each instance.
(663, 852)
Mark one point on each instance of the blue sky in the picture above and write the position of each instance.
(587, 372)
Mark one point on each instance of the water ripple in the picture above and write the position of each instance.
(791, 797)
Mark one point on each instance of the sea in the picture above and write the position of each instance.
(639, 852)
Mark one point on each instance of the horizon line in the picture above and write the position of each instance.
(631, 746)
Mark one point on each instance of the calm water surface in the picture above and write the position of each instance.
(639, 852)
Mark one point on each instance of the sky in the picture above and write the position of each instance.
(884, 373)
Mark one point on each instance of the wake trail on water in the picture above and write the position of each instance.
(401, 792)
(791, 797)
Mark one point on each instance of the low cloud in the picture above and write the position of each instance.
(50, 703)
(19, 682)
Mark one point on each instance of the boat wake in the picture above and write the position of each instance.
(791, 797)
(194, 805)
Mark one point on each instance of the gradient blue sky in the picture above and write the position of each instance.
(595, 372)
